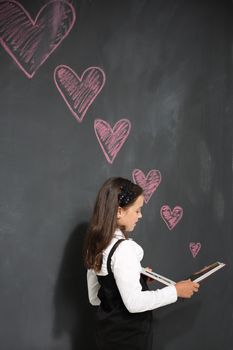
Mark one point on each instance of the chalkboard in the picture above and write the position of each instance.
(91, 89)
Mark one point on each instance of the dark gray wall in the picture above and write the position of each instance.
(168, 70)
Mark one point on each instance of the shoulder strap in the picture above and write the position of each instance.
(112, 252)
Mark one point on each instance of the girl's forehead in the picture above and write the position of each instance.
(139, 201)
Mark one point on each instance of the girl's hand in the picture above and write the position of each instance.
(186, 289)
(149, 279)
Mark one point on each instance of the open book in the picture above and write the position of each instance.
(196, 277)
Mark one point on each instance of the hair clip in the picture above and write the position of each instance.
(125, 196)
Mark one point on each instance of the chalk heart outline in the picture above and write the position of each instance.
(79, 92)
(149, 183)
(110, 139)
(32, 52)
(194, 248)
(171, 217)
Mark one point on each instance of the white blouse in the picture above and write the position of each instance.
(126, 267)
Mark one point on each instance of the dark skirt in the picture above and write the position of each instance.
(126, 331)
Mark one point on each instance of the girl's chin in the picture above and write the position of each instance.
(129, 229)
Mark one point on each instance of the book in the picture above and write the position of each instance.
(206, 271)
(157, 277)
(195, 277)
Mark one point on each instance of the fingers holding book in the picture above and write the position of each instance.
(149, 279)
(186, 289)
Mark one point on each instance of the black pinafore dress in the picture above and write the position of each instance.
(117, 328)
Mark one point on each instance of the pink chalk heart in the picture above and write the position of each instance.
(79, 92)
(111, 140)
(171, 217)
(30, 42)
(149, 183)
(194, 248)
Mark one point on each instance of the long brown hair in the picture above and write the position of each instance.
(115, 192)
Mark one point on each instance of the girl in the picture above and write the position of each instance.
(114, 271)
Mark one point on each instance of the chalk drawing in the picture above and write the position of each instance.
(79, 92)
(111, 140)
(30, 42)
(149, 183)
(171, 217)
(194, 248)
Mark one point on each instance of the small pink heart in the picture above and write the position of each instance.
(30, 42)
(194, 248)
(171, 217)
(111, 140)
(79, 92)
(148, 183)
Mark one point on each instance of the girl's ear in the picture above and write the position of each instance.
(119, 212)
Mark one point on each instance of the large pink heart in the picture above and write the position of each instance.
(148, 183)
(79, 93)
(194, 248)
(111, 140)
(31, 42)
(171, 217)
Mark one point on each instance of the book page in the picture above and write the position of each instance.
(157, 277)
(206, 271)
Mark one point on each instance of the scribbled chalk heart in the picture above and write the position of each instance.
(148, 183)
(30, 42)
(171, 217)
(79, 93)
(111, 140)
(194, 248)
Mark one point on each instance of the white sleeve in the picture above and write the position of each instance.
(126, 268)
(93, 287)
